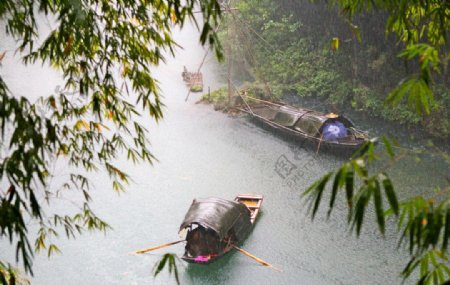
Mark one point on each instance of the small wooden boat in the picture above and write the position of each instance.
(324, 131)
(213, 226)
(193, 79)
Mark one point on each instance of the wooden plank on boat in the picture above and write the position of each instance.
(253, 203)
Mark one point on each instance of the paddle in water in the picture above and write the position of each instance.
(157, 247)
(256, 258)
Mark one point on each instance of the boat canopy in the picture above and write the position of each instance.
(219, 215)
(287, 116)
(266, 112)
(311, 123)
(307, 121)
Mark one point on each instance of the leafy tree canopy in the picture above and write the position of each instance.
(423, 223)
(92, 42)
(364, 181)
(423, 26)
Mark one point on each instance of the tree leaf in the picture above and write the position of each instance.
(349, 192)
(364, 196)
(388, 147)
(390, 193)
(318, 191)
(334, 44)
(446, 230)
(378, 206)
(338, 183)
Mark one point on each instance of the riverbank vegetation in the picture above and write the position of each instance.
(218, 98)
(303, 49)
(388, 59)
(341, 55)
(221, 100)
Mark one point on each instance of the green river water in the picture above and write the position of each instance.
(205, 153)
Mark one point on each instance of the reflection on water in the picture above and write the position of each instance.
(214, 273)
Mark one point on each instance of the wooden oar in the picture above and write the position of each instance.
(157, 247)
(256, 258)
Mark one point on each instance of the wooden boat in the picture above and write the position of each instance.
(193, 79)
(324, 131)
(213, 226)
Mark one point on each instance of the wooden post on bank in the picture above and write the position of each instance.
(229, 62)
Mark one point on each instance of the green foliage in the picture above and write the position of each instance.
(10, 276)
(354, 178)
(291, 51)
(216, 97)
(432, 265)
(365, 99)
(438, 122)
(170, 261)
(196, 88)
(420, 95)
(423, 27)
(424, 225)
(260, 91)
(219, 98)
(105, 51)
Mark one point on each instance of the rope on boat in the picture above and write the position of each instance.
(240, 95)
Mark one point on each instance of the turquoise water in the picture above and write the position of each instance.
(204, 153)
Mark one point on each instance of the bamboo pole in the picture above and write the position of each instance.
(156, 247)
(201, 64)
(318, 146)
(256, 258)
(264, 101)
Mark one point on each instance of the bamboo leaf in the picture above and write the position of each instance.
(388, 147)
(410, 267)
(390, 193)
(360, 167)
(446, 230)
(339, 182)
(319, 191)
(362, 150)
(412, 231)
(161, 264)
(424, 265)
(167, 260)
(349, 192)
(360, 208)
(399, 93)
(379, 206)
(440, 274)
(314, 186)
(174, 268)
(435, 277)
(53, 249)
